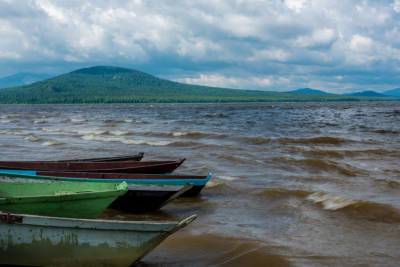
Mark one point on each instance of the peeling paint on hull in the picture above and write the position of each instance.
(47, 241)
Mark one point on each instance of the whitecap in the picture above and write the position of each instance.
(119, 133)
(95, 137)
(144, 142)
(32, 138)
(176, 134)
(227, 178)
(213, 183)
(51, 143)
(77, 120)
(329, 201)
(91, 131)
(39, 121)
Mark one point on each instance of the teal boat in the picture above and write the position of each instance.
(59, 199)
(31, 240)
(198, 182)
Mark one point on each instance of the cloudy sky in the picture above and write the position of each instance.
(338, 46)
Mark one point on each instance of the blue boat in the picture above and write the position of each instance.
(198, 182)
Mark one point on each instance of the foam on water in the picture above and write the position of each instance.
(147, 142)
(119, 133)
(78, 120)
(227, 178)
(329, 201)
(124, 140)
(51, 143)
(32, 138)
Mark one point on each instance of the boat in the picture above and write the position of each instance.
(136, 157)
(197, 181)
(148, 198)
(32, 240)
(61, 199)
(157, 167)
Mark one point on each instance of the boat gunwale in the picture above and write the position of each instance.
(138, 157)
(100, 224)
(120, 169)
(64, 197)
(32, 174)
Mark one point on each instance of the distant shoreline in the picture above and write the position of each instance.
(205, 102)
(114, 85)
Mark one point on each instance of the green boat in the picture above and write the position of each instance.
(31, 240)
(59, 199)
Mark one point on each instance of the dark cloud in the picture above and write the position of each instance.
(272, 44)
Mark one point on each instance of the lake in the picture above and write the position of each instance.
(296, 184)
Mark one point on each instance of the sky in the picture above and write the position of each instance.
(337, 46)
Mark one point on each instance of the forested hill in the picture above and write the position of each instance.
(105, 84)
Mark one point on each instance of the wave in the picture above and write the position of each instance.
(51, 143)
(227, 178)
(102, 138)
(234, 159)
(391, 184)
(352, 207)
(190, 134)
(216, 115)
(32, 138)
(40, 121)
(283, 192)
(119, 133)
(330, 202)
(11, 132)
(318, 165)
(186, 144)
(255, 140)
(386, 131)
(347, 153)
(150, 143)
(214, 183)
(320, 140)
(77, 120)
(102, 132)
(359, 208)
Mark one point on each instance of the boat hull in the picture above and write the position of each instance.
(194, 191)
(137, 157)
(61, 199)
(153, 167)
(46, 241)
(198, 182)
(149, 198)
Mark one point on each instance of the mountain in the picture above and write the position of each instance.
(309, 91)
(392, 92)
(106, 84)
(368, 93)
(22, 78)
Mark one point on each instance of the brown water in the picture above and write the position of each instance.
(296, 184)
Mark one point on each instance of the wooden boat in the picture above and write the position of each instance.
(64, 199)
(113, 167)
(52, 241)
(137, 157)
(198, 182)
(148, 198)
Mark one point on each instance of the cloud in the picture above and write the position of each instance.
(396, 6)
(254, 44)
(218, 80)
